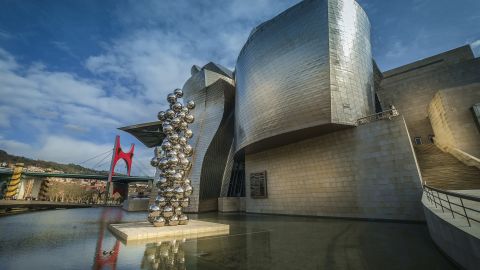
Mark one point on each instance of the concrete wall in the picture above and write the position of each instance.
(138, 204)
(411, 87)
(452, 120)
(231, 204)
(364, 172)
(453, 236)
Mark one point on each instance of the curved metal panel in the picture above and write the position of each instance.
(296, 69)
(213, 129)
(351, 66)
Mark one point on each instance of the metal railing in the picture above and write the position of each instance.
(454, 203)
(388, 114)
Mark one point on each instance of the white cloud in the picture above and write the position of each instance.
(69, 117)
(41, 104)
(13, 146)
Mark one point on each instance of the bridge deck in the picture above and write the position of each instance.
(5, 204)
(115, 178)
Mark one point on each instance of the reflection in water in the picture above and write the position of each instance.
(164, 255)
(107, 257)
(76, 237)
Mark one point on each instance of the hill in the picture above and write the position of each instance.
(66, 168)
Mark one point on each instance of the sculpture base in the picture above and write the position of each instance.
(146, 232)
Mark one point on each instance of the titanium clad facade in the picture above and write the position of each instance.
(213, 94)
(351, 66)
(305, 72)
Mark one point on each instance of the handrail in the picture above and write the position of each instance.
(456, 194)
(433, 195)
(388, 114)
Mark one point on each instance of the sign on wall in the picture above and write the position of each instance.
(258, 185)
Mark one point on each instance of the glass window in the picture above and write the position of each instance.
(418, 140)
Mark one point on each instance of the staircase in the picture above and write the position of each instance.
(444, 171)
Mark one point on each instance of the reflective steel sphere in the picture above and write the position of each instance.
(168, 129)
(187, 181)
(185, 202)
(184, 162)
(189, 118)
(166, 146)
(173, 138)
(177, 147)
(188, 133)
(158, 221)
(185, 110)
(169, 114)
(169, 172)
(173, 221)
(183, 219)
(183, 126)
(181, 155)
(154, 162)
(153, 208)
(160, 200)
(188, 150)
(178, 210)
(162, 164)
(167, 211)
(172, 161)
(171, 153)
(175, 202)
(182, 141)
(150, 218)
(191, 104)
(178, 192)
(162, 185)
(178, 92)
(188, 189)
(168, 192)
(181, 115)
(161, 116)
(176, 122)
(171, 98)
(177, 106)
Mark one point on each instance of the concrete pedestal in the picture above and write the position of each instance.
(146, 232)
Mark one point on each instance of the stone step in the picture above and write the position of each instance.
(442, 170)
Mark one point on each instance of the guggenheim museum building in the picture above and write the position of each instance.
(307, 124)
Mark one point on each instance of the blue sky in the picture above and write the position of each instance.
(71, 72)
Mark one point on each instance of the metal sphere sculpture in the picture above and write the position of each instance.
(171, 159)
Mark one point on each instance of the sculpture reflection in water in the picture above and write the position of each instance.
(107, 258)
(173, 164)
(164, 255)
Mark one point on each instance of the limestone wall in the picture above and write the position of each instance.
(452, 120)
(411, 87)
(365, 172)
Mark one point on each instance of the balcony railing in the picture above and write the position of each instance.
(388, 114)
(459, 205)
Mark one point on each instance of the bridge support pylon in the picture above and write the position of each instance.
(118, 154)
(43, 193)
(14, 183)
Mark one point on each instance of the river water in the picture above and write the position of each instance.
(79, 239)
